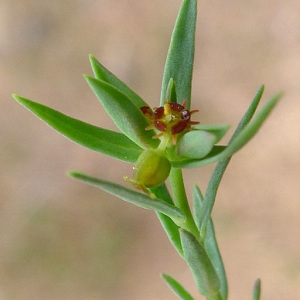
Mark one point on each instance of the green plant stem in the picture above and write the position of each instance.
(181, 201)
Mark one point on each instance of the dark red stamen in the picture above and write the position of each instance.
(176, 106)
(160, 125)
(179, 127)
(147, 111)
(159, 113)
(185, 115)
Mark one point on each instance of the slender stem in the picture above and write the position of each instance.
(181, 201)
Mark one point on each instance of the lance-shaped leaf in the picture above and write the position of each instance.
(180, 58)
(252, 127)
(127, 117)
(198, 209)
(205, 276)
(207, 235)
(181, 162)
(213, 252)
(171, 229)
(220, 168)
(131, 196)
(108, 142)
(239, 140)
(177, 288)
(103, 74)
(171, 95)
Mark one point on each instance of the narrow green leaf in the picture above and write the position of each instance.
(198, 205)
(131, 196)
(171, 95)
(162, 192)
(245, 134)
(177, 288)
(221, 166)
(212, 157)
(171, 229)
(212, 249)
(105, 141)
(252, 127)
(205, 276)
(103, 74)
(207, 234)
(127, 117)
(180, 58)
(216, 177)
(256, 290)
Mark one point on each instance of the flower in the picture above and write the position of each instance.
(169, 120)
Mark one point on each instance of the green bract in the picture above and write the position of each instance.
(195, 144)
(199, 142)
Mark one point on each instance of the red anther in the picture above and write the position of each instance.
(169, 120)
(160, 125)
(179, 127)
(176, 106)
(159, 113)
(147, 111)
(185, 115)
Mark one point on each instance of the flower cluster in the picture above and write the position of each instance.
(169, 120)
(153, 167)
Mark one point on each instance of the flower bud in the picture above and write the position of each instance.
(195, 144)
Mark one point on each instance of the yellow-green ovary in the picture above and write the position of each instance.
(151, 169)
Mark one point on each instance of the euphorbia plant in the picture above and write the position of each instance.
(160, 142)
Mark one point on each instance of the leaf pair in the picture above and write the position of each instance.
(114, 94)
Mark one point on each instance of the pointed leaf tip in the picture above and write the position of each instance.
(111, 143)
(131, 196)
(125, 114)
(177, 288)
(205, 276)
(180, 57)
(100, 72)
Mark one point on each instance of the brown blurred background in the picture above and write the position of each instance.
(60, 239)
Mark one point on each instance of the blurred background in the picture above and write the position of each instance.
(60, 239)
